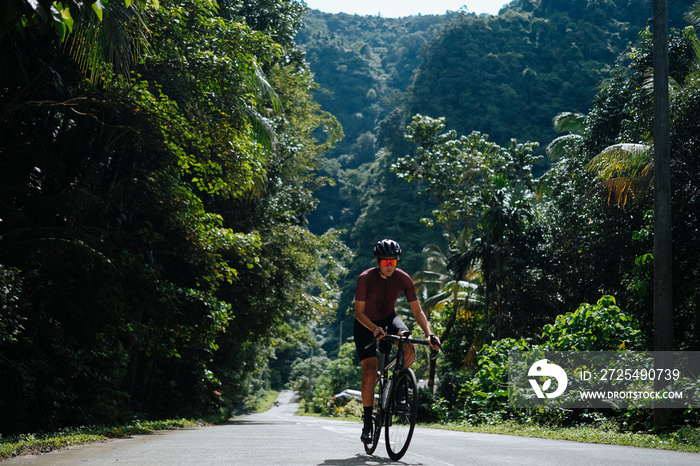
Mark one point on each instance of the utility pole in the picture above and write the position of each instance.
(309, 393)
(340, 336)
(663, 285)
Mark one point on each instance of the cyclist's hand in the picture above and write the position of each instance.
(379, 333)
(435, 347)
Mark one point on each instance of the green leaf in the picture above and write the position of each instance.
(98, 8)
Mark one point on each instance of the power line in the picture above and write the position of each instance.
(549, 71)
(619, 59)
(595, 88)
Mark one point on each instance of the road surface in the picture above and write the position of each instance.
(278, 437)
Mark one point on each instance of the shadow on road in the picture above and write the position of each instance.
(250, 422)
(359, 460)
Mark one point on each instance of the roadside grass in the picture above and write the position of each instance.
(33, 444)
(263, 404)
(681, 439)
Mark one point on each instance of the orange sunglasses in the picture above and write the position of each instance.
(388, 262)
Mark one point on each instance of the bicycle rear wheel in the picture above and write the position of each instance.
(402, 410)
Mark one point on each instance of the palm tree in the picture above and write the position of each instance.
(624, 170)
(445, 283)
(94, 34)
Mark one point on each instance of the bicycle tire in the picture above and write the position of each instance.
(400, 418)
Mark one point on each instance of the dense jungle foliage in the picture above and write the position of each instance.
(182, 222)
(156, 174)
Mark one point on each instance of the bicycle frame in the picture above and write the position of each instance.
(388, 406)
(395, 364)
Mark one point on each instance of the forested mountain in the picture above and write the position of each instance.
(363, 66)
(506, 76)
(503, 75)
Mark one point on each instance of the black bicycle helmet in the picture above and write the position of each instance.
(387, 248)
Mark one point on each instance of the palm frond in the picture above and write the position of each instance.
(257, 80)
(624, 170)
(571, 122)
(560, 145)
(117, 39)
(693, 15)
(648, 84)
(263, 131)
(626, 190)
(459, 264)
(624, 159)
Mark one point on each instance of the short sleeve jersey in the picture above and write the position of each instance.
(380, 294)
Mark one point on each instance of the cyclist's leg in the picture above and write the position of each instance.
(409, 354)
(397, 327)
(372, 422)
(369, 380)
(368, 361)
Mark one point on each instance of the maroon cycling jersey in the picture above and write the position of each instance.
(380, 294)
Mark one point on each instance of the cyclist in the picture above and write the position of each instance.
(376, 293)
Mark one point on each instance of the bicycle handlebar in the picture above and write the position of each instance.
(405, 338)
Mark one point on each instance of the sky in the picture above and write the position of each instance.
(399, 8)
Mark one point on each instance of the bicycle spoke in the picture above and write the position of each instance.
(402, 408)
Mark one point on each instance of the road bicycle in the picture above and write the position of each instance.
(396, 398)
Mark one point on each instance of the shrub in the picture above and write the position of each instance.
(600, 327)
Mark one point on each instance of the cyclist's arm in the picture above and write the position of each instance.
(366, 321)
(422, 320)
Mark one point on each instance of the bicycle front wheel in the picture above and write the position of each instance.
(377, 420)
(402, 410)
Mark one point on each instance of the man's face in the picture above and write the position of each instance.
(387, 265)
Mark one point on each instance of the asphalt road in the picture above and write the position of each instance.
(278, 437)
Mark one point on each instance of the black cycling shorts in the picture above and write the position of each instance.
(363, 336)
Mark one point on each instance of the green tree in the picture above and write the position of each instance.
(484, 194)
(345, 372)
(615, 147)
(446, 169)
(97, 35)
